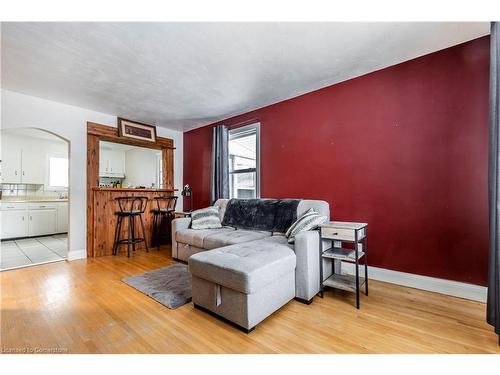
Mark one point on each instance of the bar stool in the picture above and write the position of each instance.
(165, 209)
(130, 207)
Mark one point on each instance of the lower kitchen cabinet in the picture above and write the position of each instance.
(42, 222)
(14, 223)
(33, 219)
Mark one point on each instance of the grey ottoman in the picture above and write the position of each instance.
(244, 283)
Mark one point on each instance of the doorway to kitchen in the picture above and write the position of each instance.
(34, 202)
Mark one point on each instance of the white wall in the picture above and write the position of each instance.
(70, 122)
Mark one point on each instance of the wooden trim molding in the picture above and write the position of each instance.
(449, 287)
(95, 134)
(109, 133)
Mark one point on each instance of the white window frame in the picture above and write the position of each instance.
(56, 188)
(240, 131)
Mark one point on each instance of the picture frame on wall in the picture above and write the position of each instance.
(136, 130)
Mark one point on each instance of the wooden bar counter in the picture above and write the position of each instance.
(101, 203)
(104, 218)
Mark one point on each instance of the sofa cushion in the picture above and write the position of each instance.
(196, 237)
(321, 207)
(245, 267)
(206, 218)
(230, 238)
(222, 204)
(309, 221)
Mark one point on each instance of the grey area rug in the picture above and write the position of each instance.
(171, 286)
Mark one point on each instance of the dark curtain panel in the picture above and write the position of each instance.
(493, 310)
(220, 163)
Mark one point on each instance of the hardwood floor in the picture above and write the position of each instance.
(83, 307)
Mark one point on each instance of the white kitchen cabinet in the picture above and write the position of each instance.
(11, 161)
(34, 166)
(103, 162)
(42, 222)
(117, 162)
(62, 217)
(14, 223)
(22, 165)
(111, 163)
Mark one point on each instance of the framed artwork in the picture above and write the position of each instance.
(136, 130)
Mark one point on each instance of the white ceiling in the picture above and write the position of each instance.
(186, 75)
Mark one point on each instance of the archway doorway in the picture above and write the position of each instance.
(34, 198)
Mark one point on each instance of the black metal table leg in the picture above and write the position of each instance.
(366, 260)
(321, 293)
(357, 267)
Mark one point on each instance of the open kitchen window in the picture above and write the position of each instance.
(244, 162)
(58, 172)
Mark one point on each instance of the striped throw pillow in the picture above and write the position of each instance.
(206, 218)
(309, 221)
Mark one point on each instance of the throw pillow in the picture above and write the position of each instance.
(206, 218)
(309, 221)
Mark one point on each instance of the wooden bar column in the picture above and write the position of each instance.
(92, 180)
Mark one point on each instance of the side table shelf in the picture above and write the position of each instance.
(338, 232)
(348, 255)
(344, 282)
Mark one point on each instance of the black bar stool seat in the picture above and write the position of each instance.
(164, 212)
(131, 208)
(127, 213)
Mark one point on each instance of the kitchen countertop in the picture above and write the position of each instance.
(3, 200)
(97, 188)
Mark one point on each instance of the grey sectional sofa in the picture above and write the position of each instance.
(244, 275)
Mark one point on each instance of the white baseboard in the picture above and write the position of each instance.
(77, 254)
(453, 288)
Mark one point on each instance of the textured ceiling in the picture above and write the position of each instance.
(186, 75)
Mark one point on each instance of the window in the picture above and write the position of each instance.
(58, 171)
(244, 162)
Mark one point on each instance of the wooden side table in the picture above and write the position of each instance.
(338, 232)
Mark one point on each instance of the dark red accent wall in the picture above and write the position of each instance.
(404, 149)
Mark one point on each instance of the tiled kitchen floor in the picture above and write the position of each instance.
(35, 250)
